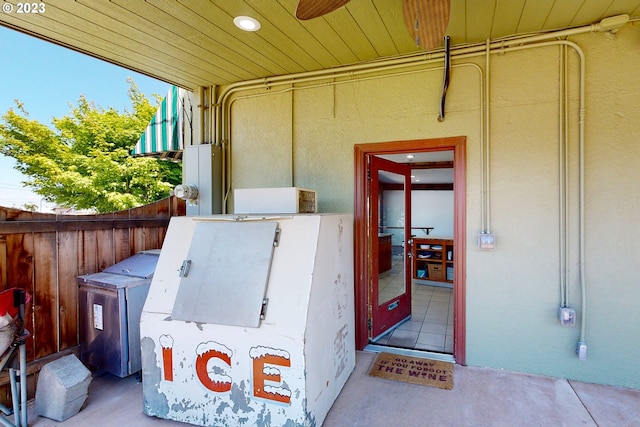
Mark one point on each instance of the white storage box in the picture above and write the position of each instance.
(289, 200)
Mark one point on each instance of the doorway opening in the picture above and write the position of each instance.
(409, 241)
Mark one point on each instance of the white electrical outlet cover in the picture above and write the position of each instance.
(486, 241)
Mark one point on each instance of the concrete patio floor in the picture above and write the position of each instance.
(480, 397)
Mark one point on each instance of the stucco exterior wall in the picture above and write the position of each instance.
(305, 138)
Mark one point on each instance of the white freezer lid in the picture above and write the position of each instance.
(228, 271)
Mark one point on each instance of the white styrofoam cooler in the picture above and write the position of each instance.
(213, 354)
(289, 200)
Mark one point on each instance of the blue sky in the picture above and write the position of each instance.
(48, 78)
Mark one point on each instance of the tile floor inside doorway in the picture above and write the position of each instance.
(431, 324)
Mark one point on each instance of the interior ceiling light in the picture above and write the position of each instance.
(410, 156)
(246, 23)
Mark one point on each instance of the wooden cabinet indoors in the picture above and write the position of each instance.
(433, 259)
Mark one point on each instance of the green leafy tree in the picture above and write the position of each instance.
(84, 163)
(31, 207)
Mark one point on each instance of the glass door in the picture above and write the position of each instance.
(389, 214)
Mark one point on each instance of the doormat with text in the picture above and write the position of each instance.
(413, 370)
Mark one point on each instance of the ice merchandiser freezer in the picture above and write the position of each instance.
(249, 320)
(110, 304)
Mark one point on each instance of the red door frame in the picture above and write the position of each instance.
(361, 248)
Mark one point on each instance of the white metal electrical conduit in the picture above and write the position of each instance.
(334, 83)
(566, 170)
(223, 123)
(563, 168)
(359, 79)
(606, 24)
(201, 111)
(223, 107)
(566, 165)
(513, 44)
(485, 148)
(221, 126)
(578, 50)
(561, 179)
(484, 108)
(486, 197)
(213, 93)
(583, 291)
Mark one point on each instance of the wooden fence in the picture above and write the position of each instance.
(43, 254)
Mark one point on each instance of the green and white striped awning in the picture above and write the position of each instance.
(164, 136)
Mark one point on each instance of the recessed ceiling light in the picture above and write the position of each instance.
(246, 23)
(410, 156)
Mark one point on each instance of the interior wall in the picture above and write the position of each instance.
(305, 138)
(429, 208)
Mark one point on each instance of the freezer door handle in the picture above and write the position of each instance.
(184, 269)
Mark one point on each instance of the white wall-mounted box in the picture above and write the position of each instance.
(289, 200)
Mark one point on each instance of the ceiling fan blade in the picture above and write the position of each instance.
(426, 21)
(309, 9)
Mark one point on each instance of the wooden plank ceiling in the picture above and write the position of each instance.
(193, 43)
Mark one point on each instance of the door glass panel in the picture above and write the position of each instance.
(391, 279)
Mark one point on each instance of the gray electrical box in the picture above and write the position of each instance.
(203, 168)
